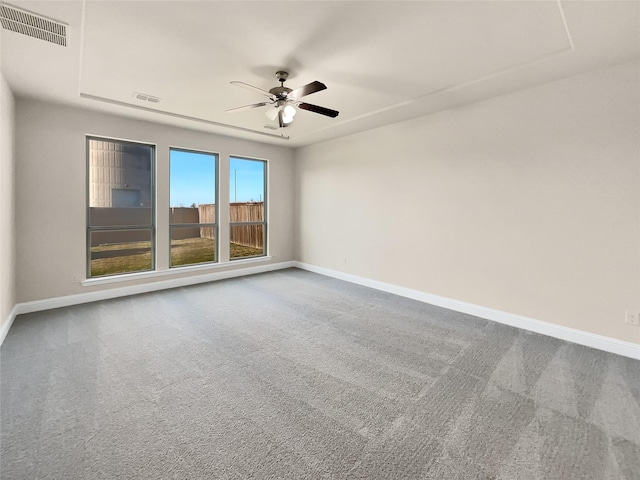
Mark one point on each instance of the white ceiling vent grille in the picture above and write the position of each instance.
(33, 25)
(146, 98)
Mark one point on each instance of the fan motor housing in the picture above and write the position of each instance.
(280, 92)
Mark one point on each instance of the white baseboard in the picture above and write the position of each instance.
(608, 344)
(7, 323)
(57, 302)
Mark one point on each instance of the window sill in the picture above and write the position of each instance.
(172, 272)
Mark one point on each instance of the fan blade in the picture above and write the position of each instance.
(251, 87)
(308, 89)
(247, 107)
(316, 109)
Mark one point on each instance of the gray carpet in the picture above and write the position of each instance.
(294, 375)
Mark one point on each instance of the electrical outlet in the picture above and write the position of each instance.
(74, 279)
(631, 317)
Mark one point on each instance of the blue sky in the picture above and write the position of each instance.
(192, 179)
(246, 180)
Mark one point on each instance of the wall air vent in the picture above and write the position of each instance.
(35, 26)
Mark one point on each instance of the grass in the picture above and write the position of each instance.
(239, 251)
(120, 258)
(136, 256)
(190, 251)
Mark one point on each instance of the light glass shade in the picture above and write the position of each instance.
(272, 113)
(288, 113)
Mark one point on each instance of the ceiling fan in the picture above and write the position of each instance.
(283, 100)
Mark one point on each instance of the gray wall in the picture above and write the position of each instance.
(7, 202)
(527, 203)
(51, 192)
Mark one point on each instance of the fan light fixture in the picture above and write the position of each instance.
(288, 112)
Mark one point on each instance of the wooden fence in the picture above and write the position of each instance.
(246, 235)
(207, 214)
(182, 215)
(103, 217)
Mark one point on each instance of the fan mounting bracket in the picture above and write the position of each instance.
(282, 76)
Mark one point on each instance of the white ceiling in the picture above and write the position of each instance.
(382, 62)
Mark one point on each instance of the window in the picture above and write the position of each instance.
(121, 210)
(193, 207)
(248, 226)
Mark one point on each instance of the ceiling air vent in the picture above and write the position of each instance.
(146, 98)
(35, 26)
